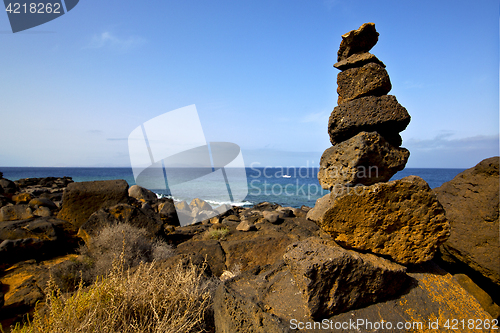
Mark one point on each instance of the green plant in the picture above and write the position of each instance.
(218, 233)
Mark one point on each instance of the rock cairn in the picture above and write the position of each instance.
(364, 128)
(400, 219)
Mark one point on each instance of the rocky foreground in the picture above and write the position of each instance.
(280, 271)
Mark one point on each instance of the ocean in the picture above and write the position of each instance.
(290, 186)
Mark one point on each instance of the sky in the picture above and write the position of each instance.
(259, 72)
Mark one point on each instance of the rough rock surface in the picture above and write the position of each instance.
(479, 294)
(80, 200)
(472, 204)
(369, 114)
(358, 41)
(138, 192)
(358, 60)
(168, 212)
(268, 299)
(369, 80)
(401, 219)
(333, 280)
(35, 239)
(366, 159)
(16, 212)
(121, 213)
(320, 207)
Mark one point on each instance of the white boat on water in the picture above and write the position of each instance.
(287, 176)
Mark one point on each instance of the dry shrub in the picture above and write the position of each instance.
(144, 299)
(115, 240)
(131, 243)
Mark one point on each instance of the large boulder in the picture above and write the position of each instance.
(401, 219)
(366, 159)
(268, 299)
(35, 239)
(358, 41)
(82, 199)
(471, 203)
(168, 213)
(381, 114)
(22, 198)
(138, 192)
(210, 249)
(16, 212)
(7, 186)
(121, 213)
(333, 280)
(369, 80)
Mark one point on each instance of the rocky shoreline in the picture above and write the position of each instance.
(260, 250)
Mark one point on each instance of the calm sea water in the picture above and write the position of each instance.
(264, 184)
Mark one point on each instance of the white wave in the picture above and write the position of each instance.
(212, 203)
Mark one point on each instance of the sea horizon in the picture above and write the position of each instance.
(287, 186)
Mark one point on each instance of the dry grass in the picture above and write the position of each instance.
(144, 299)
(129, 293)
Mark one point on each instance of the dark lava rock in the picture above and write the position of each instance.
(268, 299)
(358, 41)
(82, 199)
(36, 239)
(334, 280)
(358, 60)
(366, 159)
(121, 213)
(7, 186)
(369, 114)
(471, 203)
(16, 212)
(369, 80)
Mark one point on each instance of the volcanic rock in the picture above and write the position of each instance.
(334, 280)
(16, 212)
(138, 192)
(366, 158)
(369, 80)
(369, 114)
(121, 213)
(22, 198)
(472, 205)
(7, 186)
(482, 297)
(201, 204)
(268, 299)
(42, 202)
(401, 219)
(358, 41)
(80, 200)
(358, 60)
(168, 212)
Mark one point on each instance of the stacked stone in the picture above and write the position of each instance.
(399, 219)
(364, 128)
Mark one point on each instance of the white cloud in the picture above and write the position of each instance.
(107, 39)
(443, 151)
(316, 117)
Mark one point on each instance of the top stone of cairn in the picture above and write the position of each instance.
(358, 41)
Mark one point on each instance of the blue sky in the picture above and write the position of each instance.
(259, 72)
